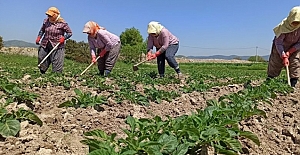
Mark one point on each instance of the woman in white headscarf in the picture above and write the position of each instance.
(166, 47)
(285, 48)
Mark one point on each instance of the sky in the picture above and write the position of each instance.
(204, 27)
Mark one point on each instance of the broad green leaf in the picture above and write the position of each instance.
(181, 149)
(154, 150)
(10, 128)
(97, 133)
(210, 132)
(102, 152)
(147, 144)
(131, 121)
(193, 133)
(169, 143)
(129, 152)
(227, 152)
(78, 92)
(29, 115)
(92, 143)
(3, 111)
(210, 110)
(250, 136)
(66, 104)
(113, 136)
(8, 88)
(234, 144)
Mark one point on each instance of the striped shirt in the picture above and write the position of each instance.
(104, 40)
(53, 32)
(287, 40)
(162, 42)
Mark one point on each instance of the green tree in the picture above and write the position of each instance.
(131, 36)
(237, 58)
(259, 59)
(1, 43)
(133, 46)
(77, 51)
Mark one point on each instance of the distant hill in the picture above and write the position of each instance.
(18, 43)
(230, 57)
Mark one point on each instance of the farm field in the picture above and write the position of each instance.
(224, 107)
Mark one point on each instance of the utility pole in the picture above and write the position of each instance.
(256, 55)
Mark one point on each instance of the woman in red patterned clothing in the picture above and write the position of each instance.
(53, 31)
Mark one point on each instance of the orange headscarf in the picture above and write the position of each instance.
(54, 12)
(92, 27)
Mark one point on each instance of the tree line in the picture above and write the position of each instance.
(133, 48)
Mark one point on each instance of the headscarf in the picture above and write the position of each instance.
(285, 25)
(54, 12)
(154, 27)
(91, 27)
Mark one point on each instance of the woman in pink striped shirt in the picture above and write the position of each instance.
(107, 44)
(166, 47)
(53, 31)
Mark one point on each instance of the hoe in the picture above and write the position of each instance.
(48, 54)
(135, 67)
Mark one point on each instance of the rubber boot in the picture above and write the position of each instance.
(269, 78)
(106, 72)
(179, 74)
(293, 81)
(42, 72)
(177, 70)
(101, 72)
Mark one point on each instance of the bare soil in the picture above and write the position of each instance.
(63, 128)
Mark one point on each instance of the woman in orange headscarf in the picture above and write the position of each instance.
(107, 43)
(53, 31)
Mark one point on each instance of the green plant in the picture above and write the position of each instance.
(215, 126)
(16, 94)
(84, 100)
(159, 95)
(10, 121)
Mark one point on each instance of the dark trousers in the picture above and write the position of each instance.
(56, 58)
(110, 58)
(168, 55)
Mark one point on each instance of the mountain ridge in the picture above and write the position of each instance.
(18, 43)
(229, 57)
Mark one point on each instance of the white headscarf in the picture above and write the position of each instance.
(154, 27)
(285, 25)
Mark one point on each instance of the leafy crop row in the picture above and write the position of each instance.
(215, 126)
(10, 120)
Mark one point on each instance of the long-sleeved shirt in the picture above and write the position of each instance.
(162, 41)
(104, 40)
(287, 40)
(53, 32)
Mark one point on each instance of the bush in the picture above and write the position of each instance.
(77, 51)
(1, 43)
(259, 59)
